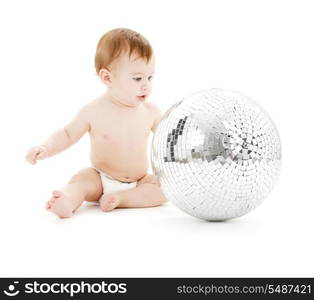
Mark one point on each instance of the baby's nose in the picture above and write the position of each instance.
(144, 87)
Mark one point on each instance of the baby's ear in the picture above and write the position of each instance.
(105, 76)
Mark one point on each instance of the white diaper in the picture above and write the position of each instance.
(111, 185)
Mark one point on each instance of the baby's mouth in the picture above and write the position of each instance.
(142, 98)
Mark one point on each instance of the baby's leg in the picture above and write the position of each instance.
(147, 193)
(85, 185)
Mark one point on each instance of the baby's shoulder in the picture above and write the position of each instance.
(88, 111)
(152, 107)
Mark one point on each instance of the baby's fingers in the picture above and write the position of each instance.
(31, 155)
(36, 154)
(40, 155)
(29, 159)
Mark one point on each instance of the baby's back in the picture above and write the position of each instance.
(119, 137)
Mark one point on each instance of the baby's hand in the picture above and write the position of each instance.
(36, 153)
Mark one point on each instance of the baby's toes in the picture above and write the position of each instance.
(56, 193)
(52, 200)
(48, 205)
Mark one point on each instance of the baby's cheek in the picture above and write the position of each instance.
(131, 87)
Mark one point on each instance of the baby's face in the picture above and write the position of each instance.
(131, 80)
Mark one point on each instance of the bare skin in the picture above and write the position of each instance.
(118, 123)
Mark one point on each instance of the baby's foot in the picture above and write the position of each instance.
(109, 202)
(59, 204)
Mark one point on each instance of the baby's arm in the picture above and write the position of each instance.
(61, 139)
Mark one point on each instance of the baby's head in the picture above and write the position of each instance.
(125, 62)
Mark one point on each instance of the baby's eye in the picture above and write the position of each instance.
(150, 77)
(137, 78)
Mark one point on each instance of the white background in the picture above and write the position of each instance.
(263, 49)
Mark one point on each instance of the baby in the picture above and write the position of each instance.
(119, 123)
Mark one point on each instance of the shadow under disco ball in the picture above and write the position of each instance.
(217, 154)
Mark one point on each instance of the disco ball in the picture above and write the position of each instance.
(216, 154)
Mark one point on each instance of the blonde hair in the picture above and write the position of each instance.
(118, 41)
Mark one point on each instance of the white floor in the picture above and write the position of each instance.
(274, 240)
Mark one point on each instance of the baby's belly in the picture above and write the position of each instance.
(125, 165)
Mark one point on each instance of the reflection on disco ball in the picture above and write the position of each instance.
(217, 154)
